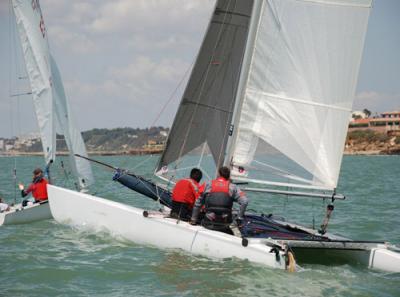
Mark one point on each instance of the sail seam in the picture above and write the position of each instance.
(282, 184)
(335, 3)
(187, 101)
(299, 100)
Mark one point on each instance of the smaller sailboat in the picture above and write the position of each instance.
(269, 96)
(51, 107)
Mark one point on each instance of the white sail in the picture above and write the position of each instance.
(80, 167)
(33, 36)
(300, 88)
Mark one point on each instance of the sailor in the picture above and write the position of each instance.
(3, 206)
(218, 198)
(184, 195)
(38, 187)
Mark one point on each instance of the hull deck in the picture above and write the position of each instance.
(23, 215)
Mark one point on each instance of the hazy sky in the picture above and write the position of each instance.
(121, 60)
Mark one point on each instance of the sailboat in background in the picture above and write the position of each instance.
(269, 96)
(51, 107)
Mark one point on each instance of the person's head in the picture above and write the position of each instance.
(37, 173)
(224, 172)
(196, 174)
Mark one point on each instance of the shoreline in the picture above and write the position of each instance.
(155, 152)
(92, 153)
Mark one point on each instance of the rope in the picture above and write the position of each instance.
(172, 95)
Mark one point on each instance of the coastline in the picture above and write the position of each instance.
(346, 152)
(92, 153)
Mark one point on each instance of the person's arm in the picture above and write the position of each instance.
(196, 209)
(25, 193)
(241, 198)
(199, 202)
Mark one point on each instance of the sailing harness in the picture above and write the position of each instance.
(218, 206)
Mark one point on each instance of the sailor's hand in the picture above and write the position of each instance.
(191, 222)
(21, 186)
(239, 222)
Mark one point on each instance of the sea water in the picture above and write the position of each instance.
(49, 259)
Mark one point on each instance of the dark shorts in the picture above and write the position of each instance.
(181, 211)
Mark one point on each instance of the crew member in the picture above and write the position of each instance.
(218, 198)
(184, 195)
(38, 188)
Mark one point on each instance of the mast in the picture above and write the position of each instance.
(244, 76)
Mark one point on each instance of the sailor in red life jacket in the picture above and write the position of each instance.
(185, 193)
(218, 198)
(38, 188)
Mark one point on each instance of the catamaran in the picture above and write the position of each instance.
(269, 96)
(51, 107)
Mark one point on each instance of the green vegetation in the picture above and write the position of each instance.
(107, 140)
(366, 136)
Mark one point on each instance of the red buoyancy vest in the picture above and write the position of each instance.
(220, 185)
(39, 190)
(218, 203)
(186, 191)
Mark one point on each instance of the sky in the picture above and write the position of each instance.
(122, 61)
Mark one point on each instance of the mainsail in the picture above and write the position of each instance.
(33, 36)
(48, 92)
(80, 167)
(205, 112)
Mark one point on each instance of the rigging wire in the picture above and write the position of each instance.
(11, 43)
(170, 98)
(172, 94)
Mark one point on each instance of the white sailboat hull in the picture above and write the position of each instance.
(27, 214)
(83, 210)
(98, 214)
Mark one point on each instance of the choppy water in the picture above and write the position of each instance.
(48, 259)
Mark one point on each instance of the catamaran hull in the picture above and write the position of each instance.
(83, 210)
(27, 214)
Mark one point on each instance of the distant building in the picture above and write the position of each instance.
(154, 145)
(387, 122)
(9, 147)
(358, 115)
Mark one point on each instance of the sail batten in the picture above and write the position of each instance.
(314, 102)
